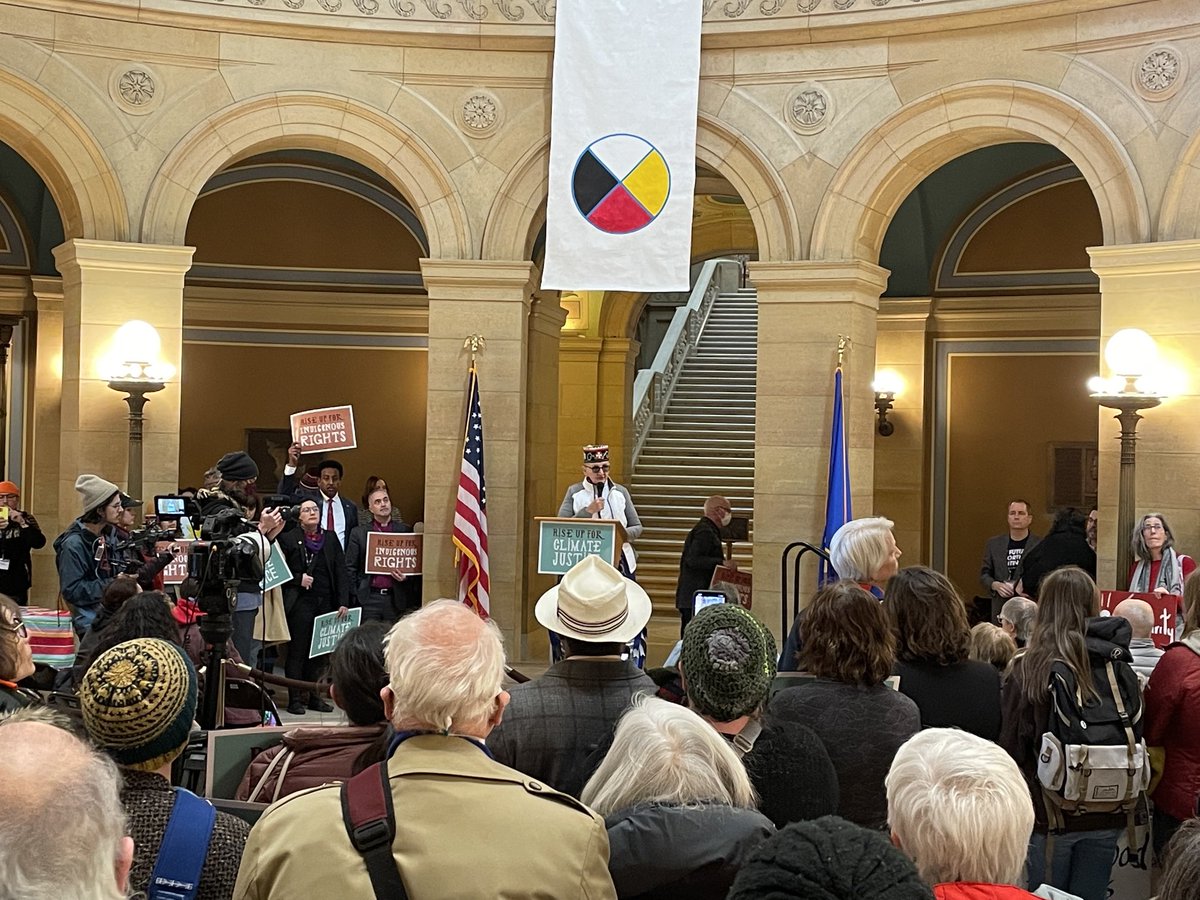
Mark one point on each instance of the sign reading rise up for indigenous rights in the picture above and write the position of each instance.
(324, 430)
(177, 569)
(564, 542)
(393, 554)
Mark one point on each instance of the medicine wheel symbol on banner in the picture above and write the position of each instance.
(621, 183)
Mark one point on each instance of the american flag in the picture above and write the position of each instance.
(470, 511)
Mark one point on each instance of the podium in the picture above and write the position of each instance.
(562, 542)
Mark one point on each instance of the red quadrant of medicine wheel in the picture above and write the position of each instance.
(619, 213)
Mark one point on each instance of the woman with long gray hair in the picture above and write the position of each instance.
(1158, 567)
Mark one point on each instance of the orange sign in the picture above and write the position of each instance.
(324, 430)
(742, 581)
(393, 554)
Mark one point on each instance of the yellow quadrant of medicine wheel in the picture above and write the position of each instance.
(649, 182)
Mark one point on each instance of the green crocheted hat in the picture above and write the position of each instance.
(138, 701)
(728, 662)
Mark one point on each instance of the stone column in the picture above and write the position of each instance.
(105, 284)
(542, 489)
(1153, 287)
(614, 404)
(900, 457)
(491, 298)
(578, 397)
(42, 487)
(802, 308)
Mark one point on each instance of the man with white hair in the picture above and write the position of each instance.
(1140, 616)
(959, 807)
(460, 824)
(62, 825)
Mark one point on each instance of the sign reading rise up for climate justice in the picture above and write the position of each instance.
(564, 542)
(329, 629)
(393, 554)
(324, 430)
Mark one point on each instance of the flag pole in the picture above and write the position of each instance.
(476, 343)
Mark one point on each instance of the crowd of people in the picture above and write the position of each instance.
(893, 749)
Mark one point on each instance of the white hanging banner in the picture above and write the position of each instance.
(622, 145)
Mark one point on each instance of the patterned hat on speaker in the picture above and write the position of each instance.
(595, 453)
(139, 701)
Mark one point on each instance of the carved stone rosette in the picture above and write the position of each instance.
(808, 108)
(480, 113)
(1159, 73)
(135, 88)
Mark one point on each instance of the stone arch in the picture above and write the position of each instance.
(521, 202)
(316, 122)
(69, 159)
(890, 162)
(1178, 221)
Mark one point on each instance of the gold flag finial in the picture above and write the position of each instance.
(475, 343)
(843, 346)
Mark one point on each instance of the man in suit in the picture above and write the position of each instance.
(557, 721)
(702, 553)
(466, 826)
(382, 597)
(1002, 555)
(338, 514)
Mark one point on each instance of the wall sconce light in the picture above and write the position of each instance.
(1133, 357)
(134, 369)
(887, 386)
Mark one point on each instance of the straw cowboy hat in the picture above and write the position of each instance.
(596, 603)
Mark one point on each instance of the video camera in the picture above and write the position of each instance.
(229, 551)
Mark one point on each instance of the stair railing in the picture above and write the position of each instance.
(653, 387)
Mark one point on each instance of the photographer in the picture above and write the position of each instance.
(18, 536)
(83, 553)
(238, 476)
(319, 585)
(133, 552)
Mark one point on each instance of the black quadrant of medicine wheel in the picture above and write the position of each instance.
(592, 182)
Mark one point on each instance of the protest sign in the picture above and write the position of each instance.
(329, 629)
(742, 582)
(177, 569)
(1165, 606)
(324, 430)
(564, 542)
(393, 554)
(275, 570)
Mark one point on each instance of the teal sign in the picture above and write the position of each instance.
(564, 542)
(329, 629)
(275, 569)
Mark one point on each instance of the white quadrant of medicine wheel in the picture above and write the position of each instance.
(620, 153)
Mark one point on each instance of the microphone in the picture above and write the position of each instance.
(599, 489)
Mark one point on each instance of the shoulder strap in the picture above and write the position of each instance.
(176, 873)
(371, 823)
(743, 741)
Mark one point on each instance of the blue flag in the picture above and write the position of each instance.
(837, 500)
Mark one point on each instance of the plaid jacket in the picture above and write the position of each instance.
(555, 722)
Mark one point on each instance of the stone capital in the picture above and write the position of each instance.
(478, 279)
(78, 255)
(1163, 258)
(820, 281)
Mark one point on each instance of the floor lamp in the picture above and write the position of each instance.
(1131, 354)
(136, 372)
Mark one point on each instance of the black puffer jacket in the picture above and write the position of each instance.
(684, 852)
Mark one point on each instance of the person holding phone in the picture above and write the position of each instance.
(702, 553)
(19, 534)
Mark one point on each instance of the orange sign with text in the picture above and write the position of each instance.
(393, 554)
(324, 430)
(1165, 606)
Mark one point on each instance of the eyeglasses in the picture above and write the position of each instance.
(18, 628)
(1152, 528)
(596, 470)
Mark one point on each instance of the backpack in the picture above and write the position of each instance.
(1093, 758)
(180, 861)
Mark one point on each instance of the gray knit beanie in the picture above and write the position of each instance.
(728, 662)
(95, 490)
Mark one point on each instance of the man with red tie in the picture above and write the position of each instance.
(338, 515)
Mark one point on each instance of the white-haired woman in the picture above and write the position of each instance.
(862, 550)
(677, 802)
(959, 806)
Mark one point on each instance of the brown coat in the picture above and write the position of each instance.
(466, 827)
(311, 757)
